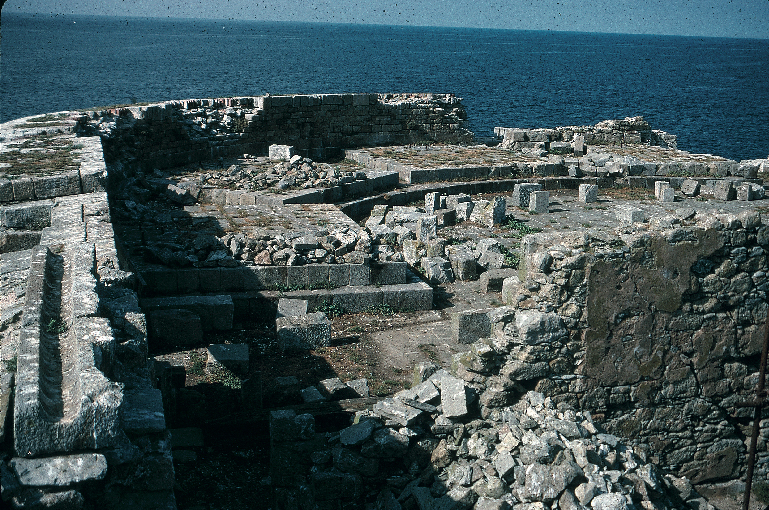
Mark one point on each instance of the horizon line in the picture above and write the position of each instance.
(382, 25)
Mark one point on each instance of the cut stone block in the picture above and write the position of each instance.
(463, 264)
(32, 216)
(231, 356)
(291, 307)
(521, 193)
(304, 332)
(690, 187)
(667, 194)
(470, 325)
(59, 371)
(175, 327)
(281, 152)
(658, 187)
(724, 190)
(437, 270)
(408, 297)
(629, 214)
(311, 394)
(452, 201)
(489, 213)
(492, 280)
(446, 217)
(59, 471)
(588, 193)
(360, 387)
(143, 411)
(432, 202)
(215, 312)
(389, 273)
(427, 228)
(539, 202)
(463, 211)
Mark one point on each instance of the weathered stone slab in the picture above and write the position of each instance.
(304, 332)
(397, 411)
(335, 389)
(67, 183)
(464, 211)
(690, 187)
(437, 270)
(427, 228)
(59, 471)
(29, 216)
(658, 187)
(724, 190)
(62, 401)
(231, 356)
(463, 264)
(142, 411)
(667, 195)
(453, 397)
(291, 307)
(215, 312)
(432, 202)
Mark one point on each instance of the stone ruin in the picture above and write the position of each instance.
(608, 380)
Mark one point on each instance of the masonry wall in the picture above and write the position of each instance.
(665, 334)
(179, 132)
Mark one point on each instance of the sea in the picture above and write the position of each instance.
(713, 93)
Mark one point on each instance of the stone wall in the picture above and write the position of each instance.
(665, 331)
(175, 133)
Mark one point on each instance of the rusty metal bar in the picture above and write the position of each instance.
(756, 419)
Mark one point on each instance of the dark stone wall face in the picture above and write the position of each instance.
(667, 339)
(321, 126)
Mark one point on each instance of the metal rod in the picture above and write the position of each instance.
(756, 420)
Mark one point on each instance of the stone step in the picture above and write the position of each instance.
(159, 280)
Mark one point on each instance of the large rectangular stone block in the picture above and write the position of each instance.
(28, 216)
(588, 193)
(215, 312)
(521, 193)
(303, 332)
(539, 202)
(470, 325)
(388, 273)
(57, 185)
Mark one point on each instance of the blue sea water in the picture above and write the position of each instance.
(712, 93)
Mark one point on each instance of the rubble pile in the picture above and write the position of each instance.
(427, 448)
(232, 250)
(298, 173)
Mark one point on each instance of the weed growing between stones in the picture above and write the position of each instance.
(518, 228)
(56, 326)
(331, 310)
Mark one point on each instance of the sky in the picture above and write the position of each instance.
(709, 18)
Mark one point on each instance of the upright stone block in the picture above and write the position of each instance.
(658, 187)
(292, 307)
(463, 211)
(427, 228)
(724, 190)
(521, 193)
(690, 187)
(539, 202)
(588, 193)
(432, 202)
(667, 194)
(579, 145)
